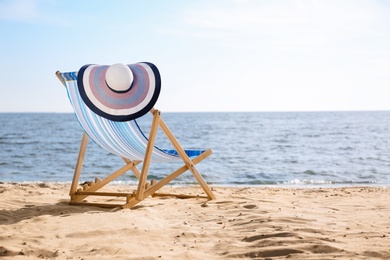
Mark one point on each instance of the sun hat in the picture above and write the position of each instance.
(119, 92)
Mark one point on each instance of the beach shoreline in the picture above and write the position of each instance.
(36, 221)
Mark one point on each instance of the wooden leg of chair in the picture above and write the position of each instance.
(135, 170)
(105, 181)
(156, 186)
(187, 160)
(79, 165)
(148, 156)
(130, 203)
(202, 182)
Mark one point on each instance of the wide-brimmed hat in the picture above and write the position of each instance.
(119, 92)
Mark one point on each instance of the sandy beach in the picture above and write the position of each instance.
(247, 223)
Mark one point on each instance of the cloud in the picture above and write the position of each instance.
(300, 55)
(304, 16)
(18, 10)
(286, 24)
(32, 11)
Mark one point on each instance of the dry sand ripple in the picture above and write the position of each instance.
(247, 223)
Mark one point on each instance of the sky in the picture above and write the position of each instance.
(213, 55)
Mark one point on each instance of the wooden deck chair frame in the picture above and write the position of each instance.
(144, 189)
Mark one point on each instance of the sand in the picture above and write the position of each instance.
(244, 222)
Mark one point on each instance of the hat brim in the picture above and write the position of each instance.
(120, 106)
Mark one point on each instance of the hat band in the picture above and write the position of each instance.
(119, 91)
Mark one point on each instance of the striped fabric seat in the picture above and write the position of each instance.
(124, 139)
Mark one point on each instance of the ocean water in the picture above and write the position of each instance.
(259, 148)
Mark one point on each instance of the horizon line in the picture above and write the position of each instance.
(227, 111)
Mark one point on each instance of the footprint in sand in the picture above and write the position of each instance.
(251, 206)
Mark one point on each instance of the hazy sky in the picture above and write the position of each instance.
(222, 55)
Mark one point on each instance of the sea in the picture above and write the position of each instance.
(301, 149)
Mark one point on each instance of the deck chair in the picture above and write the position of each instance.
(116, 130)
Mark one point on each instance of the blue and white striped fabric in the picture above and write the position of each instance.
(124, 139)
